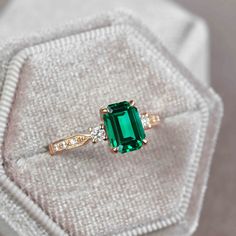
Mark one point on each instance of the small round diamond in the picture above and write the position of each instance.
(62, 145)
(145, 121)
(56, 148)
(73, 141)
(98, 134)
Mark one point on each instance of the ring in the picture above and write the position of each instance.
(122, 126)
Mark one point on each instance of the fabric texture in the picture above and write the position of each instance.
(89, 191)
(184, 34)
(93, 187)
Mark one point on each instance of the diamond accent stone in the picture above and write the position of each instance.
(55, 146)
(98, 134)
(59, 146)
(62, 145)
(73, 141)
(145, 121)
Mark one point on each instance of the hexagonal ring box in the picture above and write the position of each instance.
(54, 87)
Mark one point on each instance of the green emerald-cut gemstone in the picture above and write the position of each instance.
(124, 127)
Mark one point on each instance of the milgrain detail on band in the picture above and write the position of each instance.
(8, 93)
(69, 143)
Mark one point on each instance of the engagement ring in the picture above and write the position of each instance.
(122, 126)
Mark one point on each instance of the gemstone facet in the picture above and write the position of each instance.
(123, 127)
(145, 121)
(98, 134)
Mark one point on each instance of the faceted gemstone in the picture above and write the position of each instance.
(145, 121)
(98, 134)
(124, 127)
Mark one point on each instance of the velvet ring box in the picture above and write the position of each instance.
(54, 85)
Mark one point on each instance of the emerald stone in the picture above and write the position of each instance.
(124, 127)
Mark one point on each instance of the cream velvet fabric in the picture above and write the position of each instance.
(60, 91)
(89, 191)
(184, 34)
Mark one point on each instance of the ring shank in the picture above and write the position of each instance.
(68, 143)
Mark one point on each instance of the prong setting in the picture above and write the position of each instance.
(103, 110)
(102, 126)
(132, 103)
(145, 141)
(94, 140)
(114, 150)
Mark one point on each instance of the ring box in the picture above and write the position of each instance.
(55, 82)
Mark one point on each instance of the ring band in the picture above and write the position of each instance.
(122, 126)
